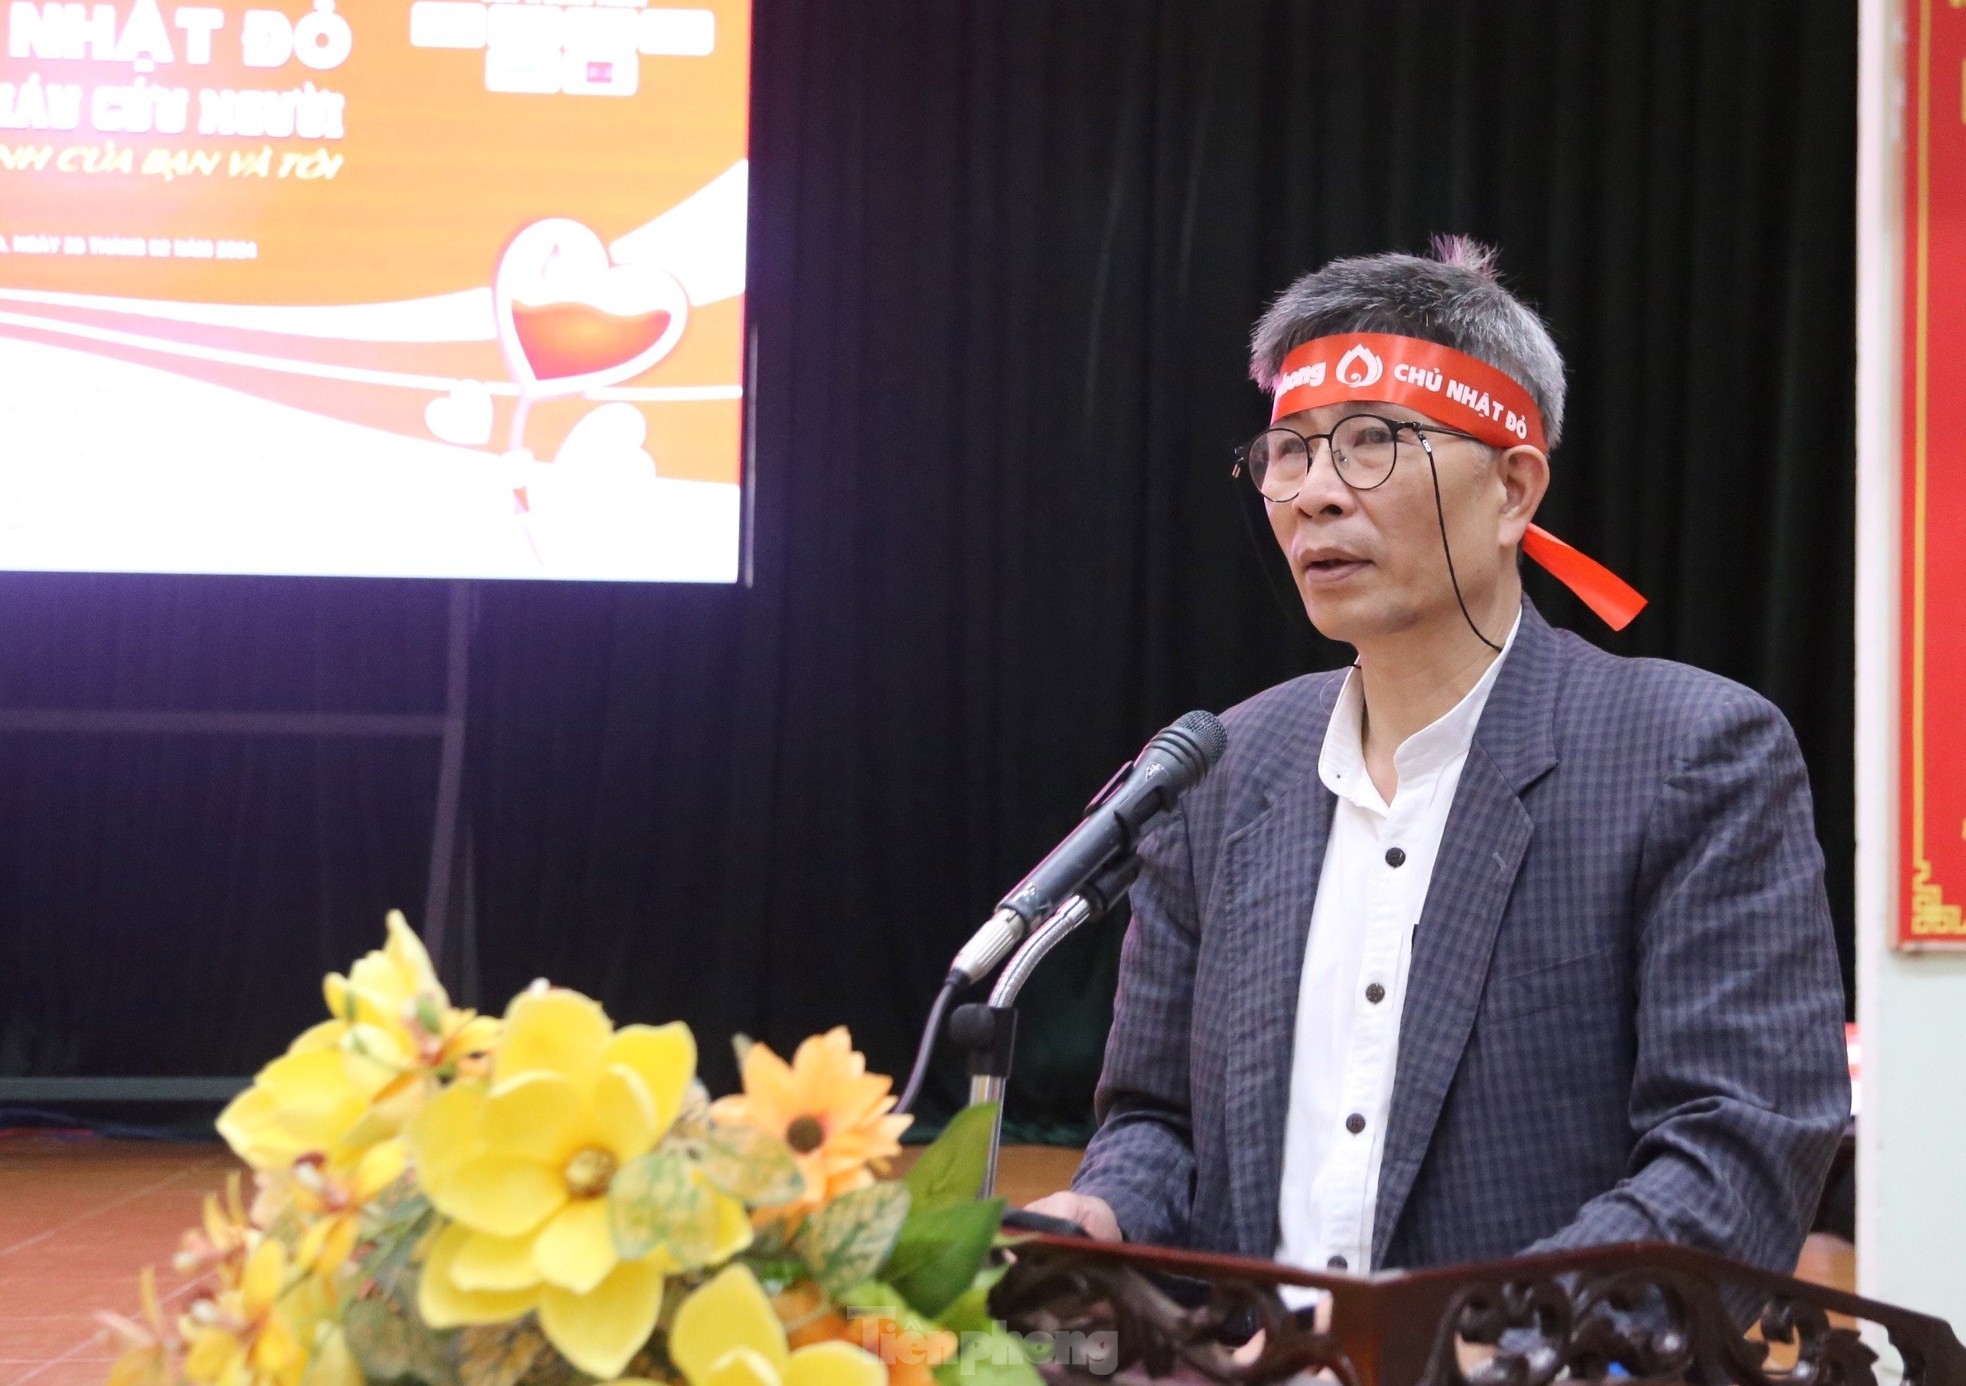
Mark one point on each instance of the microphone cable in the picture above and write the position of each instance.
(938, 1014)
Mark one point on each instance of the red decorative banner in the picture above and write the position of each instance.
(1932, 827)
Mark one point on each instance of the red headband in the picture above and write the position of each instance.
(1465, 394)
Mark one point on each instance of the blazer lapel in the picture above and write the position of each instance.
(1487, 833)
(1270, 870)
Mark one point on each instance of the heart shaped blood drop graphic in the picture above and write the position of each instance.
(571, 338)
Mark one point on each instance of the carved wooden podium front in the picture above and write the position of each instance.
(1644, 1311)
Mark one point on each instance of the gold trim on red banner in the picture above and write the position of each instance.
(1927, 920)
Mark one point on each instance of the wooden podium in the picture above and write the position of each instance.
(1644, 1311)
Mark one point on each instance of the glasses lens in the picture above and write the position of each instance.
(1277, 463)
(1364, 448)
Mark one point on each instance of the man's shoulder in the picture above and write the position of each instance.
(1281, 711)
(1274, 740)
(1617, 701)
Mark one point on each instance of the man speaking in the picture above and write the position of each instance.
(1493, 942)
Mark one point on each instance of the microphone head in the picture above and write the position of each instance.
(1209, 735)
(1189, 748)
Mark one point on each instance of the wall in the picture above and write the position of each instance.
(1911, 1162)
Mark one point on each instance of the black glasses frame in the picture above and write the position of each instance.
(1310, 441)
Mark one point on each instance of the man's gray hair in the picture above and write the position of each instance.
(1454, 299)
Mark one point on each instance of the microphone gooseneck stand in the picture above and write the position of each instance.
(989, 1032)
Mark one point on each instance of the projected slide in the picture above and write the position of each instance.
(373, 287)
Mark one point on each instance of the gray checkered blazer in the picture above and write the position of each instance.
(1624, 1019)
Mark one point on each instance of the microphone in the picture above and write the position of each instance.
(1090, 869)
(1146, 787)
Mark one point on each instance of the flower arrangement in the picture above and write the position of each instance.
(547, 1198)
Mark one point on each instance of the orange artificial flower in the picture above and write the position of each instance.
(826, 1107)
(909, 1355)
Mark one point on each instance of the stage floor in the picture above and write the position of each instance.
(79, 1217)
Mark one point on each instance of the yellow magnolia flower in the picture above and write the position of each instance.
(351, 1082)
(306, 1102)
(727, 1334)
(522, 1166)
(826, 1107)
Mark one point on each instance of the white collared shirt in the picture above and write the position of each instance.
(1355, 966)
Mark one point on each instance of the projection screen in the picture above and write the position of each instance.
(373, 288)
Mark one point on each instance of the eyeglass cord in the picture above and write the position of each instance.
(1440, 513)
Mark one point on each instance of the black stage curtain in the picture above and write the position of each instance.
(1005, 259)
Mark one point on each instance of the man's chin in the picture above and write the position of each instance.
(1340, 621)
(1357, 618)
(1344, 614)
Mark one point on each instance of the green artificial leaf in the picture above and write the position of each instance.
(390, 1229)
(873, 1297)
(773, 1240)
(878, 1297)
(392, 1344)
(951, 1169)
(750, 1166)
(693, 1117)
(656, 1200)
(847, 1242)
(378, 1338)
(385, 1334)
(396, 1214)
(969, 1312)
(990, 1358)
(776, 1273)
(937, 1254)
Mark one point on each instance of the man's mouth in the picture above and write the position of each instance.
(1320, 571)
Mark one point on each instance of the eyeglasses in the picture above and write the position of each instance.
(1364, 449)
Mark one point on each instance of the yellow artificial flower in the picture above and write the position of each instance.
(240, 1336)
(826, 1107)
(398, 1013)
(223, 1240)
(522, 1166)
(327, 1202)
(727, 1334)
(306, 1102)
(333, 1362)
(149, 1347)
(352, 1081)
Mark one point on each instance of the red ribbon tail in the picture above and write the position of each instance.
(1615, 601)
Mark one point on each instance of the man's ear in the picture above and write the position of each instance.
(1524, 473)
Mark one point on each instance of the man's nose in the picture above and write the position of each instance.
(1323, 488)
